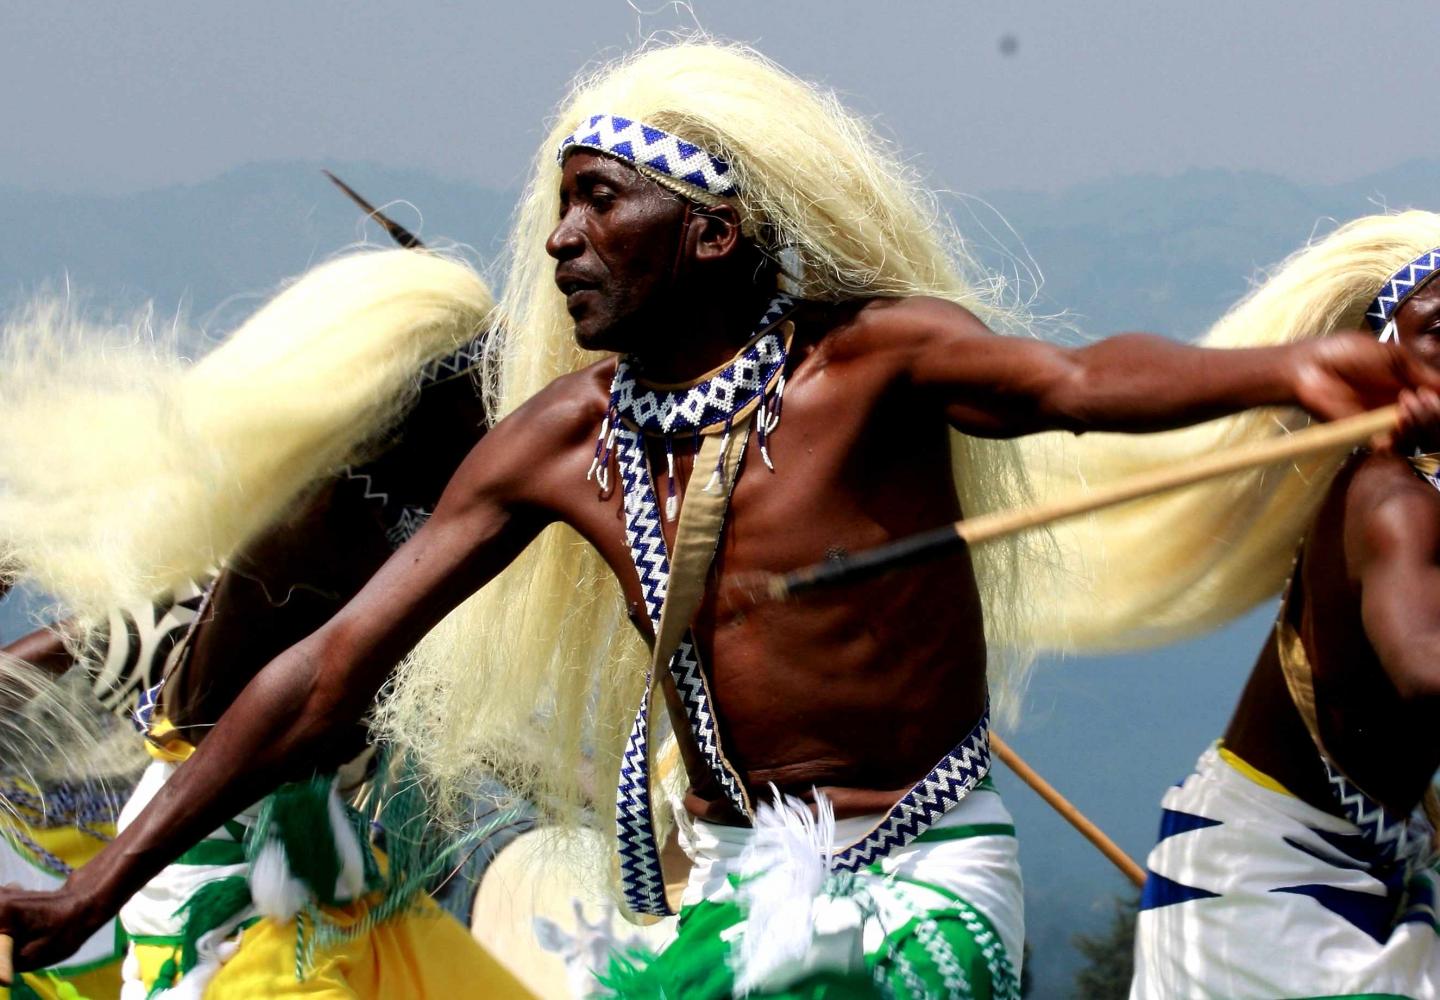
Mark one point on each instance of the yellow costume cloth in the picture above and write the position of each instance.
(421, 953)
(249, 947)
(50, 830)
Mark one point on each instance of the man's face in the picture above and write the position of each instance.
(1417, 323)
(615, 247)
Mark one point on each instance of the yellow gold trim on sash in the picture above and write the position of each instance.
(162, 743)
(1250, 771)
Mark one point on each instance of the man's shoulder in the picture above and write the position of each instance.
(1375, 476)
(568, 407)
(891, 322)
(1387, 503)
(907, 311)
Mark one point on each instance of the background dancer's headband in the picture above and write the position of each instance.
(1399, 287)
(668, 160)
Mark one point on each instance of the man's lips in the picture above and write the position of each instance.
(572, 284)
(575, 289)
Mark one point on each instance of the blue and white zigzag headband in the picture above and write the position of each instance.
(1399, 287)
(669, 160)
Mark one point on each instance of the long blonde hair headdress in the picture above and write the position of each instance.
(125, 469)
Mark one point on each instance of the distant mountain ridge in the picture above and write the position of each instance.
(235, 235)
(1172, 253)
(1143, 252)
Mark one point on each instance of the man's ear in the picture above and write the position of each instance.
(716, 232)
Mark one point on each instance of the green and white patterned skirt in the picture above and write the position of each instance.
(941, 917)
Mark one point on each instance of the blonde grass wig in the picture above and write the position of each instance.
(125, 470)
(1169, 566)
(552, 703)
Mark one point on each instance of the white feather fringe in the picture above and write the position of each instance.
(215, 949)
(133, 987)
(784, 871)
(277, 893)
(350, 883)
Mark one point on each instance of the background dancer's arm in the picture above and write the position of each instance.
(44, 649)
(1392, 540)
(285, 724)
(1003, 386)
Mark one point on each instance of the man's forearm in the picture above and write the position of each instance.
(274, 732)
(1142, 382)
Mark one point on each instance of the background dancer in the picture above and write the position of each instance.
(290, 579)
(1302, 828)
(690, 175)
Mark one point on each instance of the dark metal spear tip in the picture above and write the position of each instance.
(398, 233)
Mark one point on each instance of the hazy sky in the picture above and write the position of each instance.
(102, 97)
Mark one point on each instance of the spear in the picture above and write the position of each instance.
(1068, 811)
(397, 232)
(933, 544)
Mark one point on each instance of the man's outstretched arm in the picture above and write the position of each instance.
(1004, 386)
(283, 725)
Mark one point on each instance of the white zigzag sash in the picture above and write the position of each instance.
(641, 877)
(1398, 839)
(652, 565)
(949, 781)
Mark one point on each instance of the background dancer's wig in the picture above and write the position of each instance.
(562, 665)
(1170, 566)
(127, 470)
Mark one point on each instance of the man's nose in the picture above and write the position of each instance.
(564, 241)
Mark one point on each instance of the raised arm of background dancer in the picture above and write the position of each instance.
(1003, 386)
(1392, 543)
(283, 725)
(44, 648)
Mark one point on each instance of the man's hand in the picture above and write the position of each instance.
(1419, 424)
(47, 927)
(1349, 373)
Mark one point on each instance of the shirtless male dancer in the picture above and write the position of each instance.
(1301, 832)
(675, 188)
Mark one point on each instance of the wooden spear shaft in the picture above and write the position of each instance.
(1065, 808)
(987, 527)
(7, 960)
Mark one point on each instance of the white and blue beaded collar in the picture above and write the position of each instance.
(751, 383)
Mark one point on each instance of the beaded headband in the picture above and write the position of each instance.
(667, 159)
(1399, 287)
